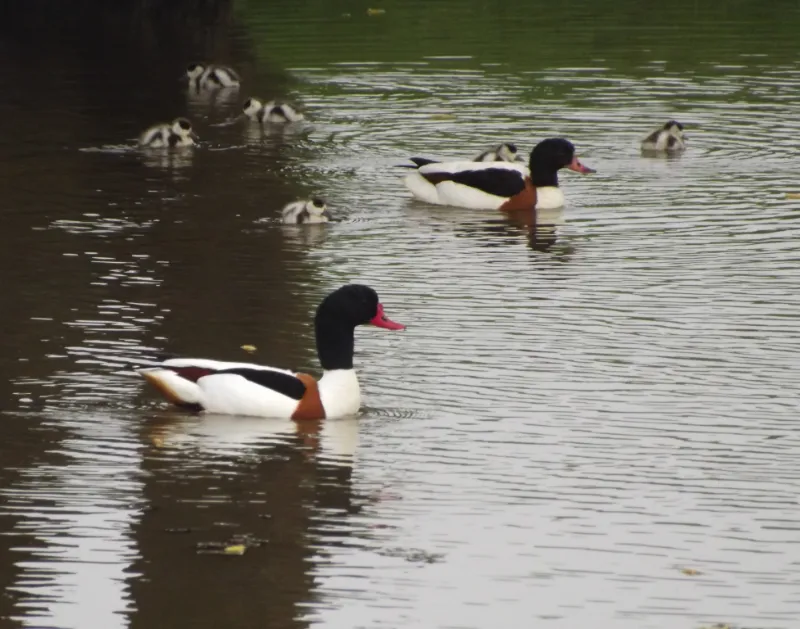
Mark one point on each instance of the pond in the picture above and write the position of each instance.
(586, 423)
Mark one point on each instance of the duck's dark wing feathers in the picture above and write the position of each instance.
(501, 182)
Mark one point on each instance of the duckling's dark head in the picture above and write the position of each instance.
(193, 70)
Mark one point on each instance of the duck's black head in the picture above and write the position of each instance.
(317, 202)
(550, 156)
(673, 124)
(337, 317)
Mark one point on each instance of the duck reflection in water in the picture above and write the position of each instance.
(282, 489)
(167, 160)
(540, 227)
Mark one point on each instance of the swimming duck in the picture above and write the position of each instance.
(668, 138)
(271, 111)
(177, 133)
(211, 76)
(246, 389)
(505, 152)
(302, 212)
(499, 185)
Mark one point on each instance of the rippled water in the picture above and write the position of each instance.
(586, 423)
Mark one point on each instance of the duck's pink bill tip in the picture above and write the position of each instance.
(380, 320)
(580, 168)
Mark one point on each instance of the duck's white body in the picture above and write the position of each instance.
(465, 196)
(232, 388)
(506, 186)
(212, 76)
(305, 212)
(234, 394)
(179, 133)
(270, 112)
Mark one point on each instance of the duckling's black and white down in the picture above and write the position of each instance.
(303, 212)
(668, 138)
(175, 134)
(506, 152)
(271, 111)
(211, 76)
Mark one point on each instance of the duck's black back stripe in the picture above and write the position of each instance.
(283, 383)
(497, 181)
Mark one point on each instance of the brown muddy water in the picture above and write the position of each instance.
(589, 425)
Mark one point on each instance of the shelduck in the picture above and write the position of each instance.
(499, 185)
(302, 212)
(175, 134)
(231, 388)
(271, 111)
(669, 139)
(210, 77)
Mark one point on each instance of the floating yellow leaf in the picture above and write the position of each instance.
(249, 348)
(237, 549)
(443, 117)
(158, 442)
(690, 572)
(793, 195)
(376, 11)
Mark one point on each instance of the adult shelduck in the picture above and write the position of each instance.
(255, 390)
(668, 139)
(499, 185)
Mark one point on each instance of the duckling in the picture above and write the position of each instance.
(302, 212)
(178, 133)
(271, 111)
(211, 77)
(668, 138)
(506, 152)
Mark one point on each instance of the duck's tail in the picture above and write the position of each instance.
(419, 162)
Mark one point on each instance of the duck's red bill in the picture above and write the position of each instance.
(380, 320)
(580, 168)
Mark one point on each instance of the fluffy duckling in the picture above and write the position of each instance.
(668, 138)
(211, 77)
(506, 152)
(303, 212)
(271, 111)
(178, 133)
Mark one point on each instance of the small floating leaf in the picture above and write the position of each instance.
(158, 442)
(443, 117)
(793, 195)
(249, 348)
(237, 549)
(690, 572)
(374, 12)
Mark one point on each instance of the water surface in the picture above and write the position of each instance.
(589, 423)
